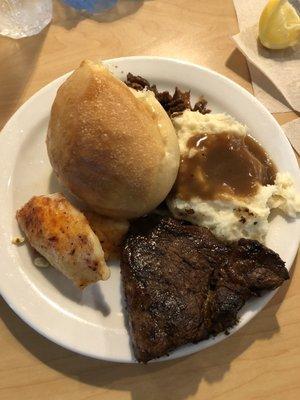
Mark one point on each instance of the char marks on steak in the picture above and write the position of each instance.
(182, 284)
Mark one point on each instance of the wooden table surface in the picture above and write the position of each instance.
(261, 361)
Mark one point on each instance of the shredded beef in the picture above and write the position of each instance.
(173, 104)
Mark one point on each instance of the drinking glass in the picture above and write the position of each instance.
(22, 18)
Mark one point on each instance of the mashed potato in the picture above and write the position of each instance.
(231, 218)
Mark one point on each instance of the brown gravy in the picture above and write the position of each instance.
(223, 164)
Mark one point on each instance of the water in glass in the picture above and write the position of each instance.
(21, 18)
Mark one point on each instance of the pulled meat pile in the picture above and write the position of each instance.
(173, 104)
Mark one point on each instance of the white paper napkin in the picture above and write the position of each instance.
(282, 67)
(248, 13)
(292, 131)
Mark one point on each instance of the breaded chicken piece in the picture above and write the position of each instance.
(62, 234)
(110, 232)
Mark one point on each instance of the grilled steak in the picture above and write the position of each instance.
(182, 284)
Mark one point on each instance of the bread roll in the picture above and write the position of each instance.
(114, 148)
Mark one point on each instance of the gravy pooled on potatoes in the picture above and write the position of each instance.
(223, 163)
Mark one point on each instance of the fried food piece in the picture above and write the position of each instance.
(110, 232)
(62, 234)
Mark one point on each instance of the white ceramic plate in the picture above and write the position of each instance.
(92, 322)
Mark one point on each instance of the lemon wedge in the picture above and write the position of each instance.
(279, 25)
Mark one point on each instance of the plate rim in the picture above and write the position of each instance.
(188, 349)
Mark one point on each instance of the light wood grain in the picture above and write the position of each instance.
(262, 361)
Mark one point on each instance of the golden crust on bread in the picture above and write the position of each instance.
(106, 145)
